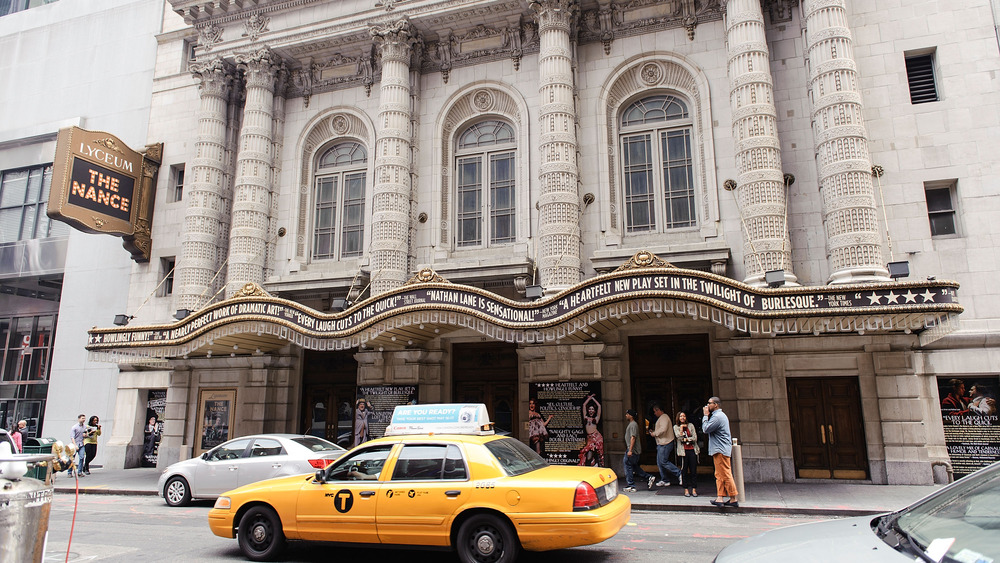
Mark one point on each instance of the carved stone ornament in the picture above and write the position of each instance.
(209, 36)
(426, 275)
(109, 144)
(255, 26)
(644, 259)
(483, 100)
(250, 289)
(651, 74)
(340, 124)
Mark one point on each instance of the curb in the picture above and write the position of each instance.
(744, 509)
(93, 491)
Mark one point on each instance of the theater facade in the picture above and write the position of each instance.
(557, 208)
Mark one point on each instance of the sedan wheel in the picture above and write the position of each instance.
(177, 492)
(260, 535)
(487, 539)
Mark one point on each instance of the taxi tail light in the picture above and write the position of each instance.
(319, 463)
(586, 497)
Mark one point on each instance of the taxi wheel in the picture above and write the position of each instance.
(177, 492)
(487, 539)
(260, 535)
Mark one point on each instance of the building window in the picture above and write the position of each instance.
(26, 346)
(187, 55)
(176, 183)
(941, 207)
(339, 222)
(24, 194)
(920, 76)
(485, 184)
(166, 276)
(657, 165)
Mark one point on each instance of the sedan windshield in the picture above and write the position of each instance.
(317, 444)
(964, 519)
(515, 457)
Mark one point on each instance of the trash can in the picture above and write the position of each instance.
(38, 446)
(24, 520)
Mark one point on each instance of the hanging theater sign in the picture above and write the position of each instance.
(100, 185)
(253, 322)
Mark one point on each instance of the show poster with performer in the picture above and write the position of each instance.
(971, 422)
(156, 403)
(373, 408)
(565, 422)
(217, 413)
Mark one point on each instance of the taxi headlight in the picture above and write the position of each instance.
(223, 503)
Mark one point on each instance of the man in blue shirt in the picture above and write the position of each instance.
(715, 425)
(79, 432)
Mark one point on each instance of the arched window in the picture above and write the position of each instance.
(657, 165)
(485, 184)
(339, 223)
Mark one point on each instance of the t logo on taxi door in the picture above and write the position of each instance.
(343, 501)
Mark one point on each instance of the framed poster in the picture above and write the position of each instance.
(565, 425)
(216, 417)
(971, 422)
(374, 406)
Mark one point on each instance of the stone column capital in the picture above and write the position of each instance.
(554, 14)
(394, 41)
(260, 67)
(214, 76)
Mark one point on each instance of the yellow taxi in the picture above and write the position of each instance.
(439, 478)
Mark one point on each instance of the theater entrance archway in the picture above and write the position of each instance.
(329, 386)
(487, 373)
(675, 371)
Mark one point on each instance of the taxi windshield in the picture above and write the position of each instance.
(965, 517)
(515, 457)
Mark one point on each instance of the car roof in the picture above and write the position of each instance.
(464, 438)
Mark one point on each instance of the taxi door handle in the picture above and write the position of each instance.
(276, 466)
(233, 468)
(366, 494)
(452, 493)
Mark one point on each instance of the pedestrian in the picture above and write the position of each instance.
(78, 432)
(18, 441)
(687, 451)
(22, 428)
(633, 448)
(715, 425)
(663, 432)
(90, 442)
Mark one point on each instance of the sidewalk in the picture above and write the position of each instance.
(822, 499)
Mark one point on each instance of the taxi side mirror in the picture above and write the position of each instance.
(320, 476)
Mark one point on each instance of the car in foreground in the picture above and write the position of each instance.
(242, 461)
(959, 523)
(440, 478)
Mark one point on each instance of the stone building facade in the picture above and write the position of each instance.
(339, 154)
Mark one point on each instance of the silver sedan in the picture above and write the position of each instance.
(242, 461)
(959, 523)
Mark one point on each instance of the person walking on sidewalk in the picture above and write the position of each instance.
(663, 431)
(687, 451)
(90, 442)
(715, 425)
(78, 432)
(633, 447)
(18, 440)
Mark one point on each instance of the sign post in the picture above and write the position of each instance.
(100, 185)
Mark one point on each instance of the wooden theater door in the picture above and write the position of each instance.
(487, 373)
(828, 436)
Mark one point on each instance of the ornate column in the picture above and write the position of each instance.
(278, 129)
(252, 191)
(205, 190)
(559, 200)
(391, 190)
(853, 235)
(761, 191)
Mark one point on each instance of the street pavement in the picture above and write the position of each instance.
(804, 498)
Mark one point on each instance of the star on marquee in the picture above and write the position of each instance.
(874, 299)
(910, 296)
(892, 297)
(928, 296)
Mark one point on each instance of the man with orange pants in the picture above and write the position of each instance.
(715, 425)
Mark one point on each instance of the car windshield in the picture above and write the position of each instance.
(515, 457)
(965, 518)
(317, 444)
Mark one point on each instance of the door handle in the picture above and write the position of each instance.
(822, 433)
(233, 468)
(366, 494)
(831, 433)
(452, 494)
(276, 466)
